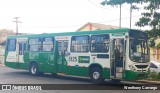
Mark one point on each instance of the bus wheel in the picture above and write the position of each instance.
(116, 81)
(96, 75)
(54, 74)
(34, 69)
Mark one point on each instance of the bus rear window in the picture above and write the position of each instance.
(11, 45)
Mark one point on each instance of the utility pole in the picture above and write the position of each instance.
(120, 6)
(16, 21)
(131, 16)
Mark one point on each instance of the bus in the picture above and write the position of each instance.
(115, 54)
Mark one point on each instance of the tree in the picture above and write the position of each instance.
(118, 2)
(151, 18)
(152, 42)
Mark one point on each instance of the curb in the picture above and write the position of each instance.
(148, 81)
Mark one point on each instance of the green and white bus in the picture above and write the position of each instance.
(121, 54)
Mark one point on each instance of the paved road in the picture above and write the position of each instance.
(13, 76)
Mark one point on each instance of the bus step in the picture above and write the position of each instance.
(62, 74)
(116, 78)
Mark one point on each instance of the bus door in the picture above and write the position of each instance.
(117, 58)
(61, 60)
(21, 51)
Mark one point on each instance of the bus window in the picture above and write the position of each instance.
(100, 43)
(48, 44)
(65, 46)
(80, 44)
(34, 44)
(22, 48)
(11, 45)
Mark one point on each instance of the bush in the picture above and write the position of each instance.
(153, 76)
(158, 45)
(158, 76)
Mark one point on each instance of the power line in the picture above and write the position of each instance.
(56, 26)
(81, 24)
(96, 4)
(118, 19)
(125, 8)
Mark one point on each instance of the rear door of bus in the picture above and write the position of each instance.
(61, 60)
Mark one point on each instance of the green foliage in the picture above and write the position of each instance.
(158, 77)
(158, 45)
(153, 76)
(153, 33)
(150, 18)
(152, 42)
(119, 2)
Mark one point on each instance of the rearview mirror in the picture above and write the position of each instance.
(151, 43)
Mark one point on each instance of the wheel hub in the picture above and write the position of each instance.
(96, 75)
(33, 70)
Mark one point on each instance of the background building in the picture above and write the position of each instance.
(96, 26)
(3, 36)
(155, 51)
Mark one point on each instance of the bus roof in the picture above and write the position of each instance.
(122, 30)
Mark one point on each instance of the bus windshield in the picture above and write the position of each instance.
(139, 50)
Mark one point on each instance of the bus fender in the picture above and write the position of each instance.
(93, 65)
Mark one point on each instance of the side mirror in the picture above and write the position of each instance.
(151, 43)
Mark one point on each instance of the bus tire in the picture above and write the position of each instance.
(116, 81)
(54, 74)
(34, 70)
(96, 75)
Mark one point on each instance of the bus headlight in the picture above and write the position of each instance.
(132, 67)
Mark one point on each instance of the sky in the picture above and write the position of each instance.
(53, 16)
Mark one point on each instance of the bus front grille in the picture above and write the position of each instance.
(141, 66)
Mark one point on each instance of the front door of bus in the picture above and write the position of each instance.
(61, 61)
(117, 62)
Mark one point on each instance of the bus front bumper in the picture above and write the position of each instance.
(131, 75)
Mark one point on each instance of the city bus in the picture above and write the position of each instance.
(114, 54)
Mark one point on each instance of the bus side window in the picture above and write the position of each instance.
(11, 45)
(80, 43)
(65, 46)
(48, 44)
(34, 44)
(100, 43)
(22, 48)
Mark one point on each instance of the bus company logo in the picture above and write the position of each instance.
(84, 59)
(6, 87)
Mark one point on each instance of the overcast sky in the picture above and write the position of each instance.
(52, 16)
